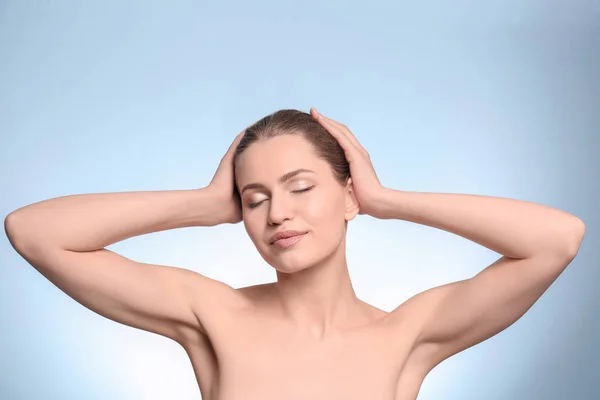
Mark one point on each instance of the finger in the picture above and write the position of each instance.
(342, 139)
(227, 159)
(236, 141)
(342, 128)
(331, 126)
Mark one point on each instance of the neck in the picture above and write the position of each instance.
(320, 300)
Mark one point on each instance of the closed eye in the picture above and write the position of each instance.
(254, 205)
(299, 191)
(303, 190)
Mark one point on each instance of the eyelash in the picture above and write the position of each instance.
(254, 205)
(302, 190)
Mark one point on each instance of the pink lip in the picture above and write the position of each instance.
(287, 238)
(289, 241)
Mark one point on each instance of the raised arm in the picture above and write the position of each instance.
(65, 238)
(536, 242)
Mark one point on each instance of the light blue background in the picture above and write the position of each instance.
(497, 98)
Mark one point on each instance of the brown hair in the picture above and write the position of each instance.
(290, 122)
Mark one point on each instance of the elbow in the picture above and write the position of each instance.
(10, 225)
(26, 232)
(11, 228)
(575, 238)
(17, 231)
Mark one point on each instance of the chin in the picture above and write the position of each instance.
(295, 261)
(290, 268)
(305, 256)
(289, 263)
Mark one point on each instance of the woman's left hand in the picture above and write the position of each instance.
(367, 188)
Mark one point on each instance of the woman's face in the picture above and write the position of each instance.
(284, 186)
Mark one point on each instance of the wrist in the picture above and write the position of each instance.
(217, 206)
(388, 204)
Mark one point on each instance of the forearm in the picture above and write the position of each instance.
(93, 221)
(513, 228)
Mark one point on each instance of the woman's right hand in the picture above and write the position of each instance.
(222, 186)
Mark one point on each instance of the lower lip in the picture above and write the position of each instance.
(287, 242)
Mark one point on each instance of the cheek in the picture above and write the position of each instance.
(326, 214)
(252, 229)
(327, 206)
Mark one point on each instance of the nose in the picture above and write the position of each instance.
(280, 210)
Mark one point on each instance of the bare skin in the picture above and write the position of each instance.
(273, 360)
(306, 336)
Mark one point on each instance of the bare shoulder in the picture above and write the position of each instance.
(255, 292)
(223, 309)
(215, 304)
(220, 307)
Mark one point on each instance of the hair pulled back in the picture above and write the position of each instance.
(295, 122)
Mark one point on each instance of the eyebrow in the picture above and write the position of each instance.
(282, 179)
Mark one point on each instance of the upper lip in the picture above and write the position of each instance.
(284, 235)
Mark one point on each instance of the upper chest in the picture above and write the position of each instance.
(261, 357)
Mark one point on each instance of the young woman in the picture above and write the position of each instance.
(296, 180)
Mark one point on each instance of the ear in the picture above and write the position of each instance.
(352, 206)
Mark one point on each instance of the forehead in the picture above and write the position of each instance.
(271, 158)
